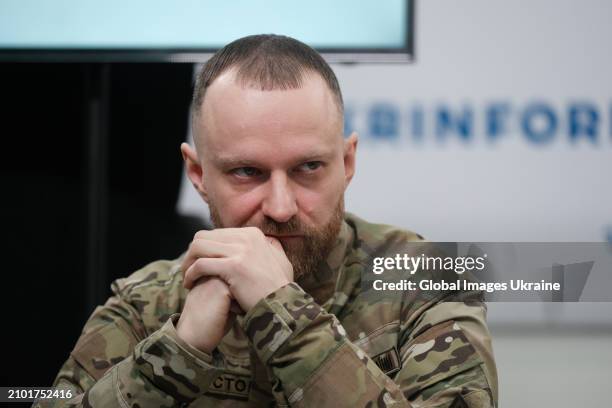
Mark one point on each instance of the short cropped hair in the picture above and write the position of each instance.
(268, 61)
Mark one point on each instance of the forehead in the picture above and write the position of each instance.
(245, 122)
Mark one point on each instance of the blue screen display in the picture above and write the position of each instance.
(200, 24)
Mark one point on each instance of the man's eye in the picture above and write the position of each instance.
(309, 166)
(246, 172)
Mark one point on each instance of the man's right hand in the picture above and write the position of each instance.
(206, 316)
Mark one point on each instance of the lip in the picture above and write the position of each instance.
(283, 236)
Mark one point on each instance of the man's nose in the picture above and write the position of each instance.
(279, 203)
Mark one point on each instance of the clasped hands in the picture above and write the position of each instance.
(225, 268)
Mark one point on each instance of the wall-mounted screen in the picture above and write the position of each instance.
(189, 30)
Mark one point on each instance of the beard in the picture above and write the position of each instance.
(305, 253)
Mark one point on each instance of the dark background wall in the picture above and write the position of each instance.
(45, 209)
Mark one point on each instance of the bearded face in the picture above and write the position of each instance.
(274, 159)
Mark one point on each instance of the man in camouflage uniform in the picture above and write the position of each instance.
(270, 308)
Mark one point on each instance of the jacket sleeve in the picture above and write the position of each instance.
(315, 364)
(114, 365)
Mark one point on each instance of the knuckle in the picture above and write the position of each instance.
(241, 237)
(213, 283)
(254, 232)
(243, 247)
(219, 285)
(216, 286)
(193, 247)
(192, 272)
(258, 233)
(199, 264)
(236, 260)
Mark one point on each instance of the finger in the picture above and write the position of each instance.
(227, 235)
(216, 243)
(201, 281)
(206, 267)
(205, 248)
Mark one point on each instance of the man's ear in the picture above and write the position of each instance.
(350, 151)
(194, 169)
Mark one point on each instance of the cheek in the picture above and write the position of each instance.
(235, 207)
(238, 209)
(317, 205)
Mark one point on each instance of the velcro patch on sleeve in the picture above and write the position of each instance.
(231, 385)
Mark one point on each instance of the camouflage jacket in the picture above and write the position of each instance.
(321, 342)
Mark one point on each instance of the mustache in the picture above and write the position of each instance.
(291, 227)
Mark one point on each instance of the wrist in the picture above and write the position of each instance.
(189, 336)
(155, 358)
(261, 293)
(277, 317)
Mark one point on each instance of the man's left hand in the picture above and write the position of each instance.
(252, 264)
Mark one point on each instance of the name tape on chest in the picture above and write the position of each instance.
(231, 385)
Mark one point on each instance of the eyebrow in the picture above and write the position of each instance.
(236, 161)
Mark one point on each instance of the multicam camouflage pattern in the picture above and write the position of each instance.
(323, 341)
